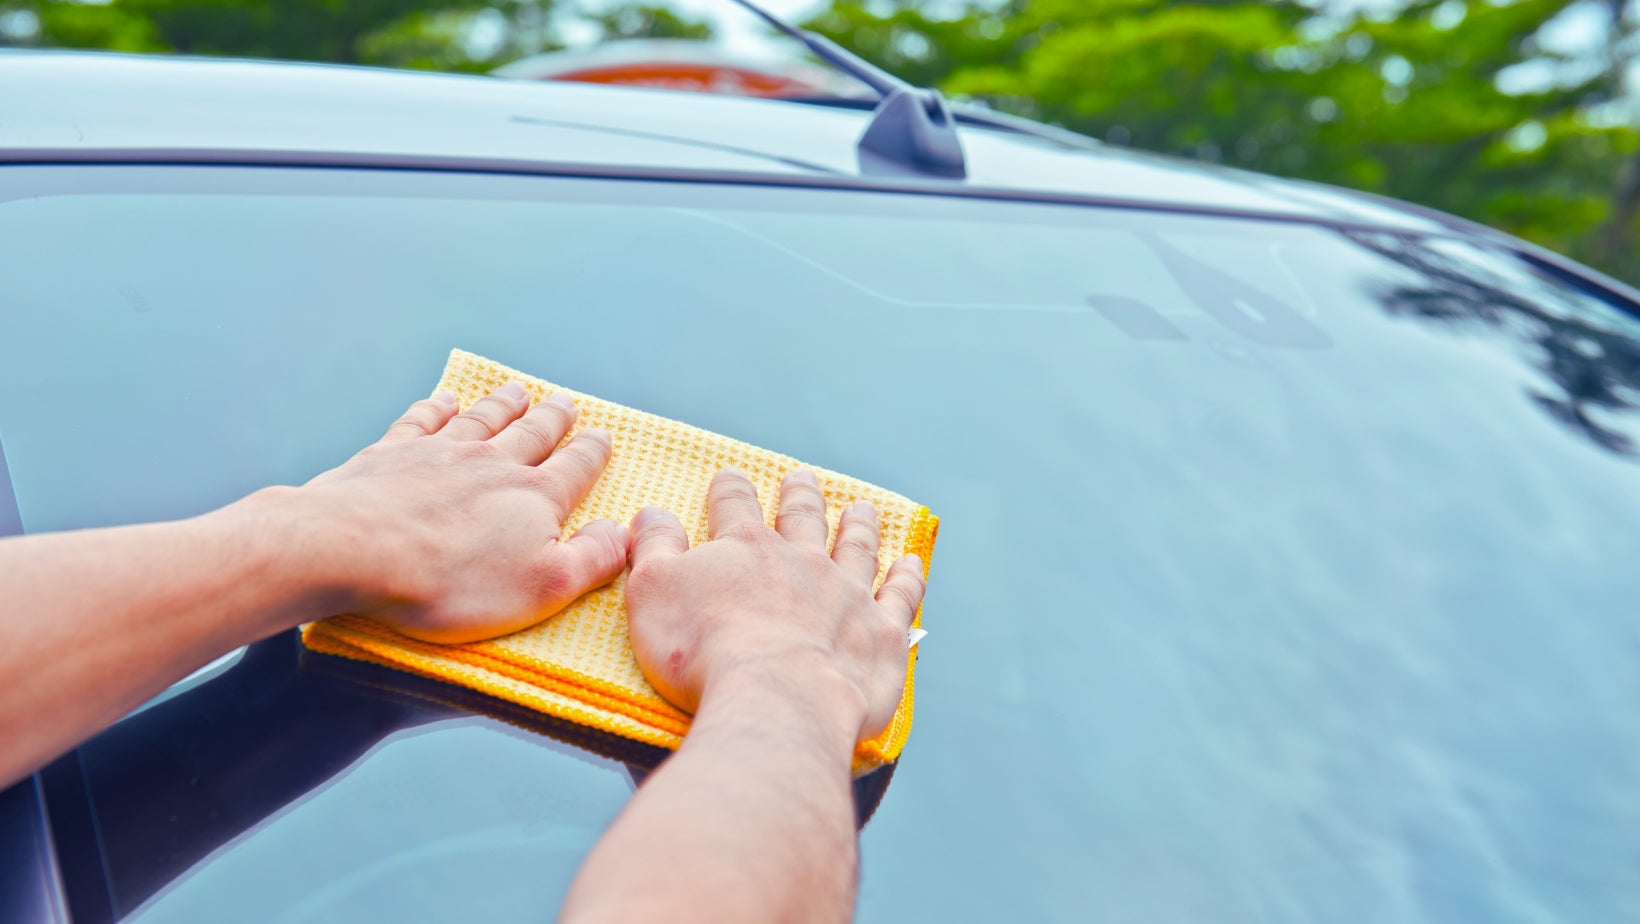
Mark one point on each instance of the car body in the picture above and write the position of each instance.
(1286, 562)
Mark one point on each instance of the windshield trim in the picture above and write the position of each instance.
(1446, 226)
(188, 157)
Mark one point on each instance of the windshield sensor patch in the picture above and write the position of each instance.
(1250, 312)
(1135, 318)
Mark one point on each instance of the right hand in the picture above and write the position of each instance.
(769, 606)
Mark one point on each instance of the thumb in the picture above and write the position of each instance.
(656, 535)
(591, 558)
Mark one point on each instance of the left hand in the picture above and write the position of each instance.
(447, 528)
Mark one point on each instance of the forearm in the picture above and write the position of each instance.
(752, 819)
(98, 621)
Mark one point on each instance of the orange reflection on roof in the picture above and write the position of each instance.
(697, 78)
(683, 64)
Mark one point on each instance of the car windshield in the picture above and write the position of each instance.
(1286, 572)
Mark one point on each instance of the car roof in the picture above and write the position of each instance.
(94, 106)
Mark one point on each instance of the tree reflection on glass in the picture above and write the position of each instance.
(1583, 347)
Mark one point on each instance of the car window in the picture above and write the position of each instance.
(1285, 571)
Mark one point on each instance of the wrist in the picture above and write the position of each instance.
(298, 550)
(801, 694)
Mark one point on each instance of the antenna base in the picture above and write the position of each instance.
(912, 133)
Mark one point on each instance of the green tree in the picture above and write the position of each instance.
(640, 21)
(1413, 107)
(458, 35)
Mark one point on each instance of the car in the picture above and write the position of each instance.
(1289, 535)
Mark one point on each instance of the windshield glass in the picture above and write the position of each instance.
(1284, 572)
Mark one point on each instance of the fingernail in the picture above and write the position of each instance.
(562, 399)
(646, 516)
(598, 434)
(514, 390)
(865, 509)
(805, 476)
(626, 536)
(731, 471)
(446, 398)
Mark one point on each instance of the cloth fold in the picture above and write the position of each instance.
(578, 665)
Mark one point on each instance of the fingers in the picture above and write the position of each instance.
(731, 503)
(571, 472)
(490, 415)
(591, 558)
(656, 535)
(802, 515)
(902, 591)
(533, 437)
(423, 418)
(858, 537)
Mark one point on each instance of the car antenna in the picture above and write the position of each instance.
(911, 129)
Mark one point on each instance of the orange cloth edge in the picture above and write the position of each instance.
(560, 680)
(324, 638)
(885, 748)
(363, 640)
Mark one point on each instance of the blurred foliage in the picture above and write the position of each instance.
(658, 22)
(1454, 104)
(1428, 105)
(452, 35)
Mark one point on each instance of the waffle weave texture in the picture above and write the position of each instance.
(578, 665)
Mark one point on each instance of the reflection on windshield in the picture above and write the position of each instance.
(1587, 352)
(277, 728)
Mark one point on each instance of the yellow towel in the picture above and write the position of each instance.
(578, 665)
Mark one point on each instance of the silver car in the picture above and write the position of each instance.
(1288, 568)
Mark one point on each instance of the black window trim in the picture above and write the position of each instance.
(236, 157)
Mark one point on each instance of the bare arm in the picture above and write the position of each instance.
(787, 661)
(447, 529)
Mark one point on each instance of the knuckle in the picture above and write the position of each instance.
(817, 560)
(853, 546)
(477, 415)
(905, 594)
(798, 493)
(583, 464)
(650, 530)
(733, 487)
(532, 431)
(553, 486)
(556, 580)
(914, 580)
(797, 515)
(750, 533)
(562, 415)
(475, 452)
(416, 417)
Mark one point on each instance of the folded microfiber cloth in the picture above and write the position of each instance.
(578, 665)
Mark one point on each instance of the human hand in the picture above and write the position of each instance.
(769, 606)
(447, 528)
